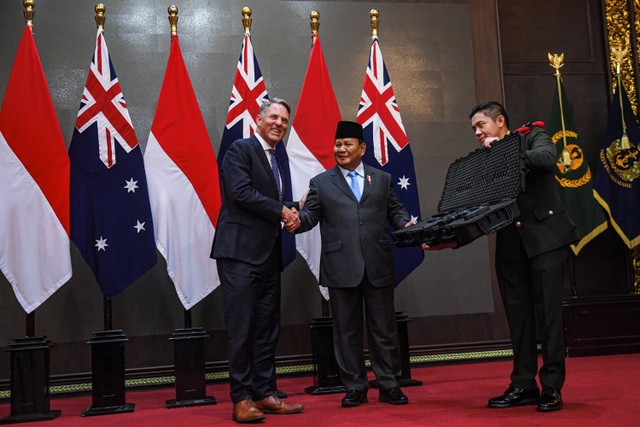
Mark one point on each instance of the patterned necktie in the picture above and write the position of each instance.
(276, 171)
(354, 184)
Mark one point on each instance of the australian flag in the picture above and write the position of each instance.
(248, 93)
(111, 219)
(388, 148)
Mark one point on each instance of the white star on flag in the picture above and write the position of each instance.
(101, 244)
(139, 226)
(414, 218)
(404, 182)
(131, 185)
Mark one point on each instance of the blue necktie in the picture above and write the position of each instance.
(276, 171)
(354, 184)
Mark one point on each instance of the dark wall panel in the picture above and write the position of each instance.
(528, 31)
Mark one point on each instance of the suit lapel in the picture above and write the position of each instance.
(338, 180)
(369, 180)
(262, 156)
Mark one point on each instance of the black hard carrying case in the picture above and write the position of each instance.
(479, 197)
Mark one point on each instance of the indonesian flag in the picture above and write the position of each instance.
(310, 145)
(184, 188)
(34, 184)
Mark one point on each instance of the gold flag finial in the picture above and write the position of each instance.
(373, 20)
(246, 19)
(173, 19)
(100, 9)
(556, 62)
(28, 12)
(315, 24)
(619, 53)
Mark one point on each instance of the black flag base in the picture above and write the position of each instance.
(30, 400)
(190, 369)
(326, 379)
(107, 371)
(405, 379)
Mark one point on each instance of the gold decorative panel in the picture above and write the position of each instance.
(621, 33)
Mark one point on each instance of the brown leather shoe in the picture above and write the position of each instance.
(273, 405)
(246, 411)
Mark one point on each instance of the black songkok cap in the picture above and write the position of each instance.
(349, 130)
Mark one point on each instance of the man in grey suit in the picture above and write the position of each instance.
(248, 250)
(355, 204)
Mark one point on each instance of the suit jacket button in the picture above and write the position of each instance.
(518, 224)
(550, 212)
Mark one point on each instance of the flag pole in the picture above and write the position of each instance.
(314, 17)
(189, 355)
(106, 303)
(28, 13)
(556, 62)
(108, 391)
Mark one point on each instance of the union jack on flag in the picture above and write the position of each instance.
(103, 103)
(248, 93)
(388, 148)
(111, 219)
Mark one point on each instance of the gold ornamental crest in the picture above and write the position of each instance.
(621, 163)
(576, 156)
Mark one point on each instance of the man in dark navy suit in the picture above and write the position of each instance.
(248, 250)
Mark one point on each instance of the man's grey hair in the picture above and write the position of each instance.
(267, 103)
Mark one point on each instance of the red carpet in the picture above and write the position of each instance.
(600, 391)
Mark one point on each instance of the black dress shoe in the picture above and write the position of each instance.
(551, 400)
(354, 398)
(394, 395)
(515, 396)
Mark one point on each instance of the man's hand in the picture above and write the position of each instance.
(303, 199)
(489, 141)
(291, 219)
(410, 223)
(439, 246)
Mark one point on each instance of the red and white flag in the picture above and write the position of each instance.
(310, 145)
(184, 188)
(34, 184)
